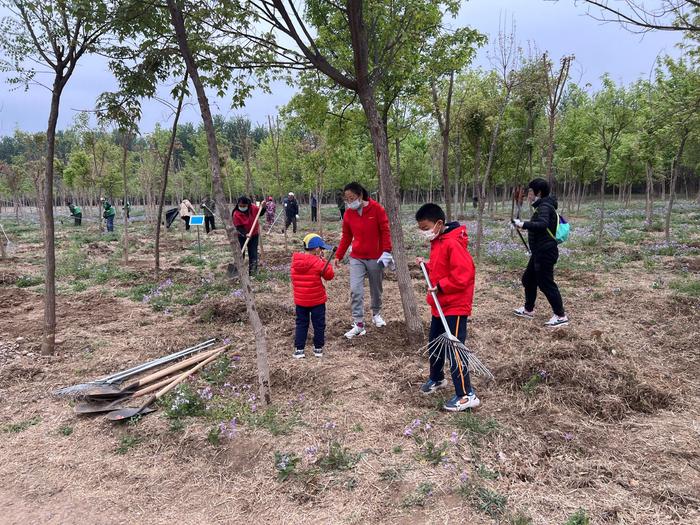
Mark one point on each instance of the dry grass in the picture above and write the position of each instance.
(610, 426)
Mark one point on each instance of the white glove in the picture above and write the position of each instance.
(518, 223)
(387, 261)
(297, 216)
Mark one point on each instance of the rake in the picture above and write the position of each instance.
(454, 349)
(8, 248)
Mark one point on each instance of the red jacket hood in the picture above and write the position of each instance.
(454, 231)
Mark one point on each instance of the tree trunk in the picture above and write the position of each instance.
(125, 153)
(166, 169)
(550, 149)
(214, 161)
(444, 125)
(604, 174)
(246, 161)
(484, 182)
(672, 186)
(49, 336)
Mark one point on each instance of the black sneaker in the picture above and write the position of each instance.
(431, 386)
(299, 353)
(318, 352)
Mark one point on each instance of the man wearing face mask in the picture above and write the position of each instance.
(244, 215)
(545, 252)
(366, 227)
(291, 212)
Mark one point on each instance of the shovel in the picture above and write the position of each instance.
(112, 390)
(96, 407)
(129, 412)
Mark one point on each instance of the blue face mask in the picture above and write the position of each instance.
(243, 208)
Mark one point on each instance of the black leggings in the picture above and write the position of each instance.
(540, 274)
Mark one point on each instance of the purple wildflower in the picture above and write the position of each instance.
(206, 394)
(568, 436)
(408, 431)
(228, 428)
(330, 425)
(454, 438)
(464, 476)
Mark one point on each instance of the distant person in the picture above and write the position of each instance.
(76, 212)
(209, 207)
(291, 212)
(308, 267)
(340, 202)
(366, 227)
(186, 211)
(314, 209)
(518, 198)
(475, 201)
(539, 273)
(451, 272)
(243, 216)
(127, 209)
(109, 213)
(270, 210)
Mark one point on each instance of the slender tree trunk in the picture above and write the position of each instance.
(485, 180)
(246, 161)
(49, 336)
(125, 152)
(444, 125)
(672, 186)
(214, 161)
(166, 169)
(550, 148)
(604, 175)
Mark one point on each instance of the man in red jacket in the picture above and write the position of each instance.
(309, 293)
(451, 272)
(244, 216)
(366, 226)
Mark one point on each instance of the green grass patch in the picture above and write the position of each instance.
(21, 426)
(485, 500)
(337, 457)
(578, 518)
(65, 430)
(475, 427)
(126, 443)
(689, 286)
(27, 281)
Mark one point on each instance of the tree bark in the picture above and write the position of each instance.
(604, 175)
(444, 125)
(49, 337)
(125, 153)
(166, 169)
(262, 360)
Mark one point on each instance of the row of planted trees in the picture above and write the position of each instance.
(385, 97)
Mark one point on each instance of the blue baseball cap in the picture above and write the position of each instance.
(312, 241)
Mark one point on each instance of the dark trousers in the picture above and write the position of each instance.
(459, 369)
(342, 213)
(209, 223)
(291, 220)
(187, 222)
(252, 252)
(540, 274)
(314, 214)
(318, 320)
(110, 223)
(78, 219)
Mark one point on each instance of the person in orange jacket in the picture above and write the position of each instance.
(308, 267)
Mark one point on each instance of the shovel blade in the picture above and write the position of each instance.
(102, 391)
(98, 407)
(128, 412)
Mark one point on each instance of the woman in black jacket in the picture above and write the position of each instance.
(541, 229)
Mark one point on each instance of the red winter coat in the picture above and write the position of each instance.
(451, 268)
(306, 279)
(246, 219)
(368, 233)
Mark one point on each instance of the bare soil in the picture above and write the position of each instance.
(611, 426)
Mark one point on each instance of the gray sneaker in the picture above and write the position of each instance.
(431, 386)
(298, 353)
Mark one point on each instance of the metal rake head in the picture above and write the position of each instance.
(453, 350)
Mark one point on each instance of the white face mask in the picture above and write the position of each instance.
(243, 209)
(355, 205)
(429, 235)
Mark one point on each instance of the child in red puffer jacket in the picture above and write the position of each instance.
(309, 293)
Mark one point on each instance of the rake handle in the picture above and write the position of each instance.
(437, 303)
(330, 257)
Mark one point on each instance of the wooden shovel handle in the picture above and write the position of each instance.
(172, 368)
(252, 228)
(152, 388)
(179, 379)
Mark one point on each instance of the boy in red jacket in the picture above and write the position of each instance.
(309, 293)
(451, 272)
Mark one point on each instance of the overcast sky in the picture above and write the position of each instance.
(558, 27)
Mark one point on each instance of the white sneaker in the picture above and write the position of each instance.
(378, 321)
(557, 321)
(458, 404)
(521, 312)
(357, 329)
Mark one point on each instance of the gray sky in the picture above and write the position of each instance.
(558, 27)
